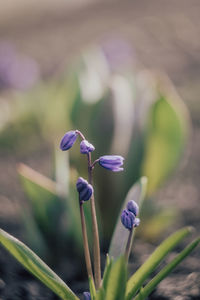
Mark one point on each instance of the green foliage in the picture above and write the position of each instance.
(144, 292)
(51, 202)
(165, 139)
(137, 279)
(114, 285)
(36, 266)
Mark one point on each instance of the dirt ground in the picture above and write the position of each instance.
(165, 36)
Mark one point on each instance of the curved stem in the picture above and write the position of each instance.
(81, 135)
(85, 243)
(96, 252)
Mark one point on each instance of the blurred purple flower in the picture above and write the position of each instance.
(118, 53)
(127, 219)
(133, 207)
(112, 162)
(68, 140)
(84, 189)
(86, 296)
(86, 147)
(16, 72)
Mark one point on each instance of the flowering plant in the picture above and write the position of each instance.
(114, 283)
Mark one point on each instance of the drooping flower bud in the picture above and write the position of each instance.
(128, 219)
(112, 162)
(84, 189)
(133, 207)
(86, 296)
(86, 147)
(68, 140)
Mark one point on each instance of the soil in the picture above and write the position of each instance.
(165, 37)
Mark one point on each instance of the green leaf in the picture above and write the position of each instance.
(41, 192)
(165, 271)
(116, 285)
(167, 129)
(36, 266)
(138, 278)
(61, 172)
(100, 294)
(92, 288)
(107, 270)
(120, 235)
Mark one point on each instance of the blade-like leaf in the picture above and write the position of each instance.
(92, 288)
(165, 271)
(100, 294)
(41, 192)
(136, 281)
(166, 135)
(116, 285)
(120, 235)
(106, 273)
(36, 266)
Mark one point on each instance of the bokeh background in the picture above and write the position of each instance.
(63, 65)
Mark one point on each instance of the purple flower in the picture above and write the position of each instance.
(84, 189)
(128, 219)
(118, 53)
(86, 296)
(133, 207)
(112, 162)
(86, 147)
(16, 71)
(68, 140)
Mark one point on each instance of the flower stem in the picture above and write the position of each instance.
(129, 245)
(85, 242)
(96, 252)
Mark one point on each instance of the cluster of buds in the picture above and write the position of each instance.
(85, 190)
(110, 162)
(128, 216)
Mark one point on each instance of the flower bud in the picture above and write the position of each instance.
(86, 147)
(86, 296)
(133, 207)
(127, 219)
(84, 189)
(68, 140)
(112, 162)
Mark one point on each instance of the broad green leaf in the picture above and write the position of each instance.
(34, 236)
(116, 285)
(120, 235)
(166, 135)
(165, 271)
(41, 192)
(36, 266)
(92, 288)
(106, 273)
(138, 278)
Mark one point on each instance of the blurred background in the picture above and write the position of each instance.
(126, 74)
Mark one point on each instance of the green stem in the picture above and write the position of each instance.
(129, 245)
(85, 243)
(96, 252)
